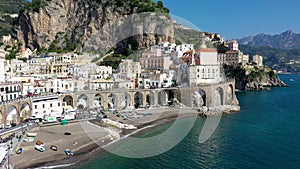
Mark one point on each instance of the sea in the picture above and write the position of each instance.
(265, 134)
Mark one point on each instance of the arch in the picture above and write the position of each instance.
(68, 100)
(199, 98)
(150, 99)
(171, 96)
(229, 94)
(162, 98)
(82, 102)
(1, 120)
(112, 101)
(218, 97)
(99, 101)
(25, 111)
(138, 100)
(125, 100)
(12, 116)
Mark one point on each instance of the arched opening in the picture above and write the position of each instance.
(82, 102)
(99, 101)
(68, 100)
(138, 100)
(112, 101)
(171, 96)
(162, 98)
(125, 101)
(24, 112)
(218, 97)
(1, 121)
(11, 117)
(199, 98)
(230, 94)
(150, 99)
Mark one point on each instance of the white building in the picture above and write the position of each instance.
(50, 106)
(10, 91)
(2, 67)
(258, 60)
(233, 45)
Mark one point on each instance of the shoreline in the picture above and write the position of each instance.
(91, 150)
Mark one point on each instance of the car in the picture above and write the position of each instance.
(40, 148)
(53, 147)
(68, 133)
(68, 152)
(19, 150)
(39, 143)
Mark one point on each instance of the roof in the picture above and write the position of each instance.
(205, 50)
(232, 51)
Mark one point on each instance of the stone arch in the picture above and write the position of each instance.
(171, 96)
(218, 96)
(99, 101)
(12, 116)
(150, 99)
(229, 94)
(125, 100)
(25, 111)
(199, 98)
(68, 100)
(138, 99)
(112, 101)
(162, 98)
(82, 102)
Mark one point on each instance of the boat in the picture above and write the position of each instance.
(19, 150)
(68, 152)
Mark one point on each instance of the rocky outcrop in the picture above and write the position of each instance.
(91, 25)
(264, 84)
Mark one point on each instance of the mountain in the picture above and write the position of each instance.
(93, 25)
(277, 59)
(286, 40)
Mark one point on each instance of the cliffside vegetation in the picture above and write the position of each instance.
(277, 59)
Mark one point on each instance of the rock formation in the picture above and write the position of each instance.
(91, 25)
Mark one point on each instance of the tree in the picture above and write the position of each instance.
(160, 4)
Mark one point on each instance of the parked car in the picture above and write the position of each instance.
(40, 148)
(39, 143)
(53, 147)
(68, 152)
(19, 150)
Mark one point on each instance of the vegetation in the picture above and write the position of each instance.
(276, 58)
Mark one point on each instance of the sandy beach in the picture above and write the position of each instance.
(87, 138)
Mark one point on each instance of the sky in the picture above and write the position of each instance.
(236, 19)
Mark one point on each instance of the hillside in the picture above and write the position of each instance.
(7, 8)
(287, 40)
(93, 25)
(276, 59)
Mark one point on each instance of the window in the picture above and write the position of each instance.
(50, 104)
(35, 106)
(43, 105)
(58, 104)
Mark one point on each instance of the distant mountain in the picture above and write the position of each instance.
(286, 40)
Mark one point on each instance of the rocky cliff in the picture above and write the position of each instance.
(93, 24)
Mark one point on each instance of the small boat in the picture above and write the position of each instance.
(19, 150)
(291, 80)
(53, 147)
(68, 152)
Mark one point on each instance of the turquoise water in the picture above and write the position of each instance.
(265, 134)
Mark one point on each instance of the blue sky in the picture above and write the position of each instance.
(239, 18)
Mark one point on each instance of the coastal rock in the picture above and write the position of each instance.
(264, 84)
(89, 25)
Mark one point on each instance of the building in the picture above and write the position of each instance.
(233, 45)
(155, 60)
(203, 68)
(2, 67)
(24, 53)
(233, 57)
(258, 60)
(46, 106)
(129, 70)
(10, 91)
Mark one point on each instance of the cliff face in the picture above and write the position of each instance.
(91, 25)
(265, 82)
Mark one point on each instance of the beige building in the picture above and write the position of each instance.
(258, 60)
(233, 57)
(129, 70)
(155, 60)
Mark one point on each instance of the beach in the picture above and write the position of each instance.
(87, 138)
